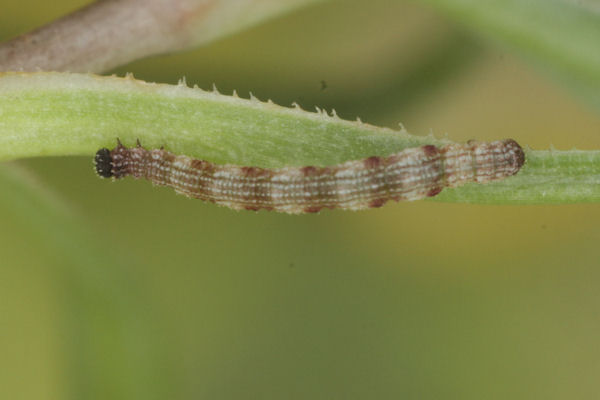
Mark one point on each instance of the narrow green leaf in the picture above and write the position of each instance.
(548, 177)
(560, 35)
(75, 114)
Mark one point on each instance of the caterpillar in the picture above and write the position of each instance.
(410, 174)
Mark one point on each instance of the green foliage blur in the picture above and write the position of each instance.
(124, 290)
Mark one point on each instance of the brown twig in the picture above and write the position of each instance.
(110, 33)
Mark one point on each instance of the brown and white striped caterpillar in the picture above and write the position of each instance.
(410, 174)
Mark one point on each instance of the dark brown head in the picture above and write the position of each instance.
(104, 164)
(514, 154)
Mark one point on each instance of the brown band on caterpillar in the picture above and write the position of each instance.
(411, 174)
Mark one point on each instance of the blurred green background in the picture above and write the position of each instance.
(128, 291)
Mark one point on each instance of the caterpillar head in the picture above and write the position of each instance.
(104, 163)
